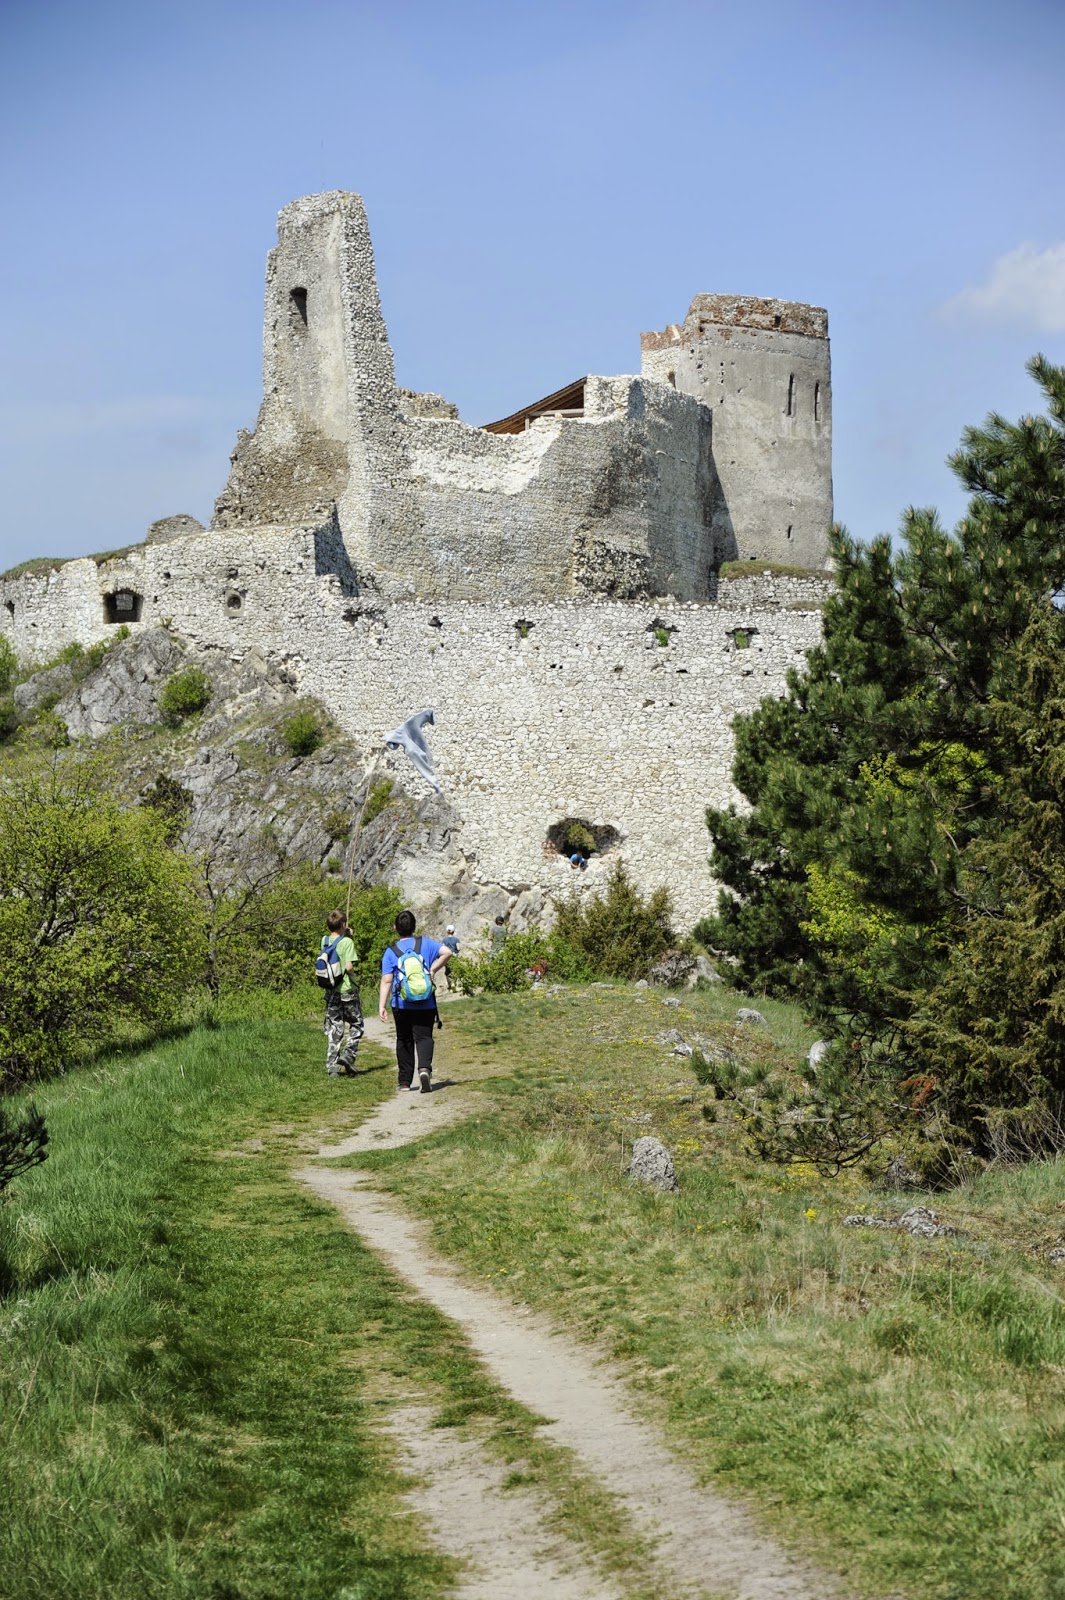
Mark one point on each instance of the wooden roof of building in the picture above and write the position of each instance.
(571, 398)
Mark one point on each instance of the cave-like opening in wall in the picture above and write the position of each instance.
(578, 836)
(123, 605)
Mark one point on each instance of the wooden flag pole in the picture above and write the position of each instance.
(355, 836)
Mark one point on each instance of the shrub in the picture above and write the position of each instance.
(509, 968)
(171, 802)
(302, 734)
(101, 928)
(23, 1143)
(500, 971)
(378, 798)
(183, 695)
(617, 933)
(268, 937)
(8, 665)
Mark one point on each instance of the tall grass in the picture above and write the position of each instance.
(897, 1403)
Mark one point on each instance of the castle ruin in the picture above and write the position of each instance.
(563, 585)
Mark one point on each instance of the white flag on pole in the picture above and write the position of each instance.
(410, 736)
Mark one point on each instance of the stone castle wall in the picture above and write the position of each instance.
(545, 709)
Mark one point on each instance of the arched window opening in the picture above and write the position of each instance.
(790, 411)
(297, 306)
(817, 402)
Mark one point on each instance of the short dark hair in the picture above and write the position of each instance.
(406, 924)
(335, 921)
(500, 921)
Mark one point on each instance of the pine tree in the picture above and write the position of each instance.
(874, 785)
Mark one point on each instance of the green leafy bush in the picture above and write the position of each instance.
(268, 937)
(183, 695)
(379, 797)
(101, 928)
(8, 665)
(501, 971)
(302, 734)
(171, 802)
(617, 934)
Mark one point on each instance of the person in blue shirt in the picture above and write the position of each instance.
(414, 1019)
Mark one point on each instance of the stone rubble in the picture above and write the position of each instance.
(652, 1164)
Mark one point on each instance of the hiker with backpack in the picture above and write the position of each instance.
(335, 972)
(407, 970)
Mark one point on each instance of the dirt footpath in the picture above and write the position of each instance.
(705, 1545)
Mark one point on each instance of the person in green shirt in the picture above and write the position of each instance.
(343, 1007)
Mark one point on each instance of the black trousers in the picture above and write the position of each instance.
(414, 1036)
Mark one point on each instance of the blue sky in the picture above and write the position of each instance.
(543, 182)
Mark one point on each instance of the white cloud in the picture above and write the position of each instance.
(1025, 286)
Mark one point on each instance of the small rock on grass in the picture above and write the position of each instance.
(747, 1014)
(920, 1222)
(652, 1164)
(702, 972)
(817, 1052)
(672, 968)
(1056, 1257)
(669, 1001)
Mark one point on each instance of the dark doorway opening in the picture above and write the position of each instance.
(124, 605)
(297, 300)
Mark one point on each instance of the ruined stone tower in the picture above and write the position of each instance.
(763, 368)
(626, 487)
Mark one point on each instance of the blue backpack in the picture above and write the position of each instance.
(329, 969)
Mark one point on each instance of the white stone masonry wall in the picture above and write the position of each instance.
(588, 715)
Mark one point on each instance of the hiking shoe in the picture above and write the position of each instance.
(425, 1080)
(413, 1086)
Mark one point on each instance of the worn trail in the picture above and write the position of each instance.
(706, 1546)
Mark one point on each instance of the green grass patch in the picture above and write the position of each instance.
(895, 1405)
(190, 1346)
(195, 1355)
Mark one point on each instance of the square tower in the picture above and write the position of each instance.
(763, 368)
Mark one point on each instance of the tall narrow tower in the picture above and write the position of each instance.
(763, 367)
(329, 429)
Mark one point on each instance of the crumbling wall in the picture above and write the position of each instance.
(616, 502)
(224, 587)
(570, 708)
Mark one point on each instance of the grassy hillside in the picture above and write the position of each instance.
(899, 1402)
(195, 1357)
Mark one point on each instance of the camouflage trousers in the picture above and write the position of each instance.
(343, 1013)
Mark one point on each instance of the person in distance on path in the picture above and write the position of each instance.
(450, 939)
(407, 970)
